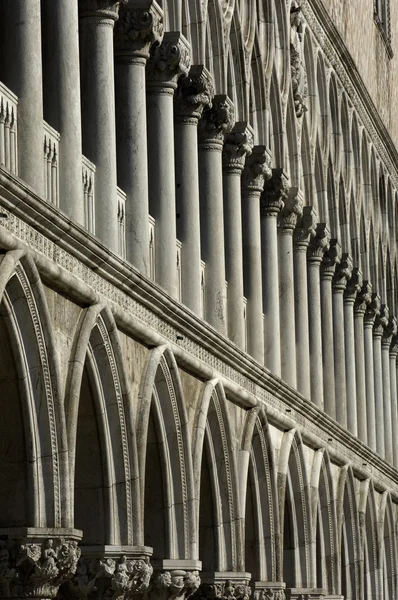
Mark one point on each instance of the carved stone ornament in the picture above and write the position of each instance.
(354, 285)
(364, 298)
(238, 144)
(100, 8)
(275, 194)
(269, 594)
(217, 121)
(174, 585)
(109, 578)
(194, 92)
(292, 210)
(297, 68)
(390, 331)
(331, 258)
(36, 569)
(168, 60)
(342, 273)
(306, 227)
(227, 590)
(257, 169)
(394, 346)
(373, 310)
(381, 320)
(319, 244)
(140, 25)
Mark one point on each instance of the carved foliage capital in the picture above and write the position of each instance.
(217, 120)
(36, 569)
(394, 346)
(269, 594)
(373, 309)
(194, 92)
(331, 258)
(292, 210)
(227, 590)
(364, 298)
(100, 8)
(390, 331)
(354, 285)
(168, 60)
(382, 320)
(319, 244)
(173, 585)
(238, 144)
(257, 169)
(140, 25)
(275, 194)
(343, 272)
(306, 226)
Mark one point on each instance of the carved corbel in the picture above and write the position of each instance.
(237, 146)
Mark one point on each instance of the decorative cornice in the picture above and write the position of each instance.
(101, 9)
(354, 285)
(174, 585)
(168, 61)
(319, 244)
(342, 273)
(306, 227)
(216, 122)
(275, 194)
(237, 145)
(140, 25)
(257, 170)
(331, 259)
(193, 93)
(292, 210)
(372, 310)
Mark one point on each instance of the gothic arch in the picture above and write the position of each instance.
(311, 82)
(335, 123)
(388, 548)
(292, 134)
(322, 105)
(277, 134)
(294, 512)
(102, 443)
(260, 506)
(216, 484)
(33, 447)
(368, 519)
(356, 151)
(165, 461)
(347, 167)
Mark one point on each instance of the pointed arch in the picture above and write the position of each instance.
(277, 133)
(343, 216)
(320, 185)
(354, 232)
(102, 444)
(322, 105)
(369, 539)
(335, 123)
(292, 138)
(388, 548)
(33, 460)
(356, 151)
(215, 46)
(216, 484)
(260, 505)
(311, 82)
(347, 165)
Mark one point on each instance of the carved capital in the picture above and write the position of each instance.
(292, 210)
(168, 61)
(174, 585)
(140, 25)
(363, 299)
(342, 273)
(331, 258)
(381, 320)
(194, 92)
(275, 194)
(238, 144)
(257, 170)
(394, 347)
(101, 9)
(390, 331)
(306, 227)
(319, 243)
(269, 594)
(372, 310)
(354, 285)
(216, 122)
(113, 578)
(36, 569)
(228, 590)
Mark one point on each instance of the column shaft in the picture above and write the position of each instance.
(372, 311)
(301, 320)
(378, 393)
(286, 307)
(350, 370)
(362, 301)
(393, 394)
(327, 344)
(385, 362)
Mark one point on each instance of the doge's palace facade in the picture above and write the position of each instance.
(199, 299)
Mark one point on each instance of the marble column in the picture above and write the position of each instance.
(238, 144)
(97, 19)
(380, 324)
(193, 93)
(393, 394)
(167, 62)
(362, 301)
(216, 122)
(390, 331)
(25, 78)
(304, 232)
(62, 98)
(139, 27)
(372, 311)
(331, 258)
(288, 216)
(256, 171)
(351, 291)
(342, 274)
(272, 202)
(318, 246)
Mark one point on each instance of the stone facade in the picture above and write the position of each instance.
(199, 290)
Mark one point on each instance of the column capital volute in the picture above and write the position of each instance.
(319, 243)
(238, 145)
(275, 194)
(363, 299)
(167, 62)
(193, 93)
(381, 321)
(354, 285)
(372, 310)
(306, 227)
(140, 26)
(389, 332)
(331, 259)
(292, 210)
(257, 169)
(100, 9)
(216, 122)
(343, 273)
